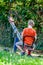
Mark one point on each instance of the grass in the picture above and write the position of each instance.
(8, 58)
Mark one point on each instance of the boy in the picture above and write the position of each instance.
(29, 31)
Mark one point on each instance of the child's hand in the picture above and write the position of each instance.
(11, 19)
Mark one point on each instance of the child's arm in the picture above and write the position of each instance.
(11, 21)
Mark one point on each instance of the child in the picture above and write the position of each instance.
(29, 31)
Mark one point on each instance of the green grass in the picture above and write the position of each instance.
(7, 58)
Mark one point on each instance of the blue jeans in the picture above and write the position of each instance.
(15, 40)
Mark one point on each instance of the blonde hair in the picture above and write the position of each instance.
(31, 22)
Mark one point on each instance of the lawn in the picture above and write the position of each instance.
(8, 58)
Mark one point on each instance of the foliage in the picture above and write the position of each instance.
(39, 44)
(22, 11)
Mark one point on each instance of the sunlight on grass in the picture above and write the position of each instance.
(7, 58)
